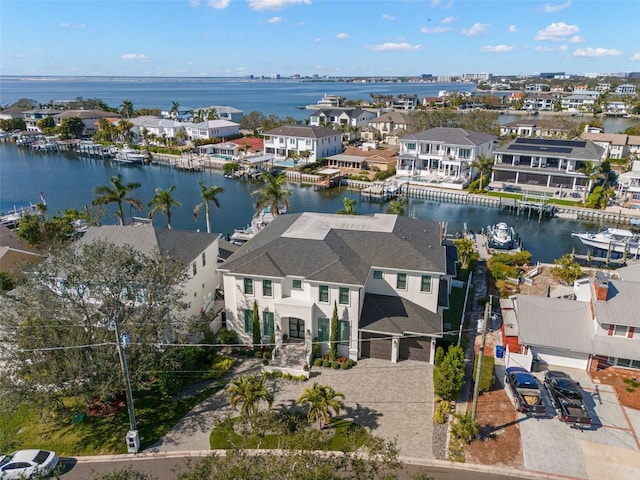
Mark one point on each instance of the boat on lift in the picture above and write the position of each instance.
(611, 239)
(501, 236)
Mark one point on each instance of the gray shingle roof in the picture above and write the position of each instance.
(621, 306)
(453, 136)
(185, 244)
(303, 131)
(340, 248)
(399, 316)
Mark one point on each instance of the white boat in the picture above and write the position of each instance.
(12, 217)
(260, 220)
(130, 156)
(501, 236)
(611, 239)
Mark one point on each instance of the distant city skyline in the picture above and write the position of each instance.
(350, 38)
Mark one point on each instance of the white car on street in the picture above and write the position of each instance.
(25, 464)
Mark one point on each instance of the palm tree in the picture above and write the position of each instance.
(175, 109)
(127, 109)
(324, 402)
(398, 207)
(484, 165)
(117, 193)
(162, 202)
(593, 173)
(208, 194)
(212, 114)
(349, 207)
(249, 391)
(124, 127)
(273, 195)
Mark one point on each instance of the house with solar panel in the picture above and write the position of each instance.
(389, 278)
(542, 162)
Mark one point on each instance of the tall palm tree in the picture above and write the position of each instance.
(273, 195)
(349, 207)
(175, 109)
(484, 165)
(117, 193)
(207, 194)
(124, 128)
(398, 206)
(249, 391)
(127, 109)
(324, 402)
(162, 201)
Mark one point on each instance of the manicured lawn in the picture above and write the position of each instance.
(453, 316)
(336, 436)
(517, 196)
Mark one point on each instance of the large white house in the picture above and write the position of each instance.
(197, 250)
(386, 275)
(443, 152)
(308, 142)
(211, 129)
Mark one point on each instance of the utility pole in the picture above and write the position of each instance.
(133, 438)
(476, 385)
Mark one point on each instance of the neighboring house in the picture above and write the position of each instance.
(386, 274)
(403, 102)
(14, 253)
(357, 158)
(198, 251)
(543, 103)
(629, 186)
(615, 144)
(161, 128)
(626, 89)
(537, 87)
(233, 150)
(434, 102)
(545, 162)
(443, 152)
(11, 113)
(89, 118)
(211, 129)
(579, 102)
(389, 124)
(533, 128)
(344, 119)
(223, 112)
(595, 330)
(31, 117)
(310, 143)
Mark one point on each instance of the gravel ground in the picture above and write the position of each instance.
(439, 441)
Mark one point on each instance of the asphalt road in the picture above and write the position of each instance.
(167, 468)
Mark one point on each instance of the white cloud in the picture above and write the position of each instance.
(557, 32)
(560, 48)
(300, 23)
(496, 48)
(71, 25)
(393, 47)
(552, 8)
(133, 56)
(449, 19)
(435, 3)
(218, 4)
(576, 39)
(388, 17)
(274, 4)
(597, 52)
(475, 29)
(194, 3)
(513, 28)
(434, 30)
(635, 58)
(343, 35)
(274, 20)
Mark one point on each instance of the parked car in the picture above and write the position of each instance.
(566, 397)
(25, 464)
(526, 392)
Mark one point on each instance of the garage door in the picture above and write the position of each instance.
(375, 346)
(554, 358)
(415, 348)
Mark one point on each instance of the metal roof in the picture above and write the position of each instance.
(303, 131)
(452, 136)
(621, 306)
(340, 248)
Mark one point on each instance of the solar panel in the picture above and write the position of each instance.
(551, 143)
(539, 149)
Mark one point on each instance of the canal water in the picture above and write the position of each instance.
(67, 181)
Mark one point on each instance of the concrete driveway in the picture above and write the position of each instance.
(394, 401)
(610, 445)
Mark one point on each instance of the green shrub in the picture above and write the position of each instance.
(343, 365)
(265, 362)
(305, 367)
(351, 363)
(277, 374)
(442, 412)
(439, 355)
(317, 362)
(258, 354)
(316, 350)
(335, 365)
(287, 376)
(486, 377)
(326, 363)
(227, 337)
(266, 355)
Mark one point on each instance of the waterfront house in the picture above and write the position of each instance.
(593, 330)
(222, 112)
(389, 124)
(357, 159)
(31, 117)
(626, 89)
(542, 103)
(233, 150)
(211, 129)
(160, 128)
(11, 113)
(629, 185)
(579, 102)
(348, 120)
(303, 143)
(89, 118)
(533, 128)
(198, 251)
(545, 162)
(615, 144)
(403, 102)
(443, 153)
(386, 275)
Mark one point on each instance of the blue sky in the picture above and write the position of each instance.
(323, 37)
